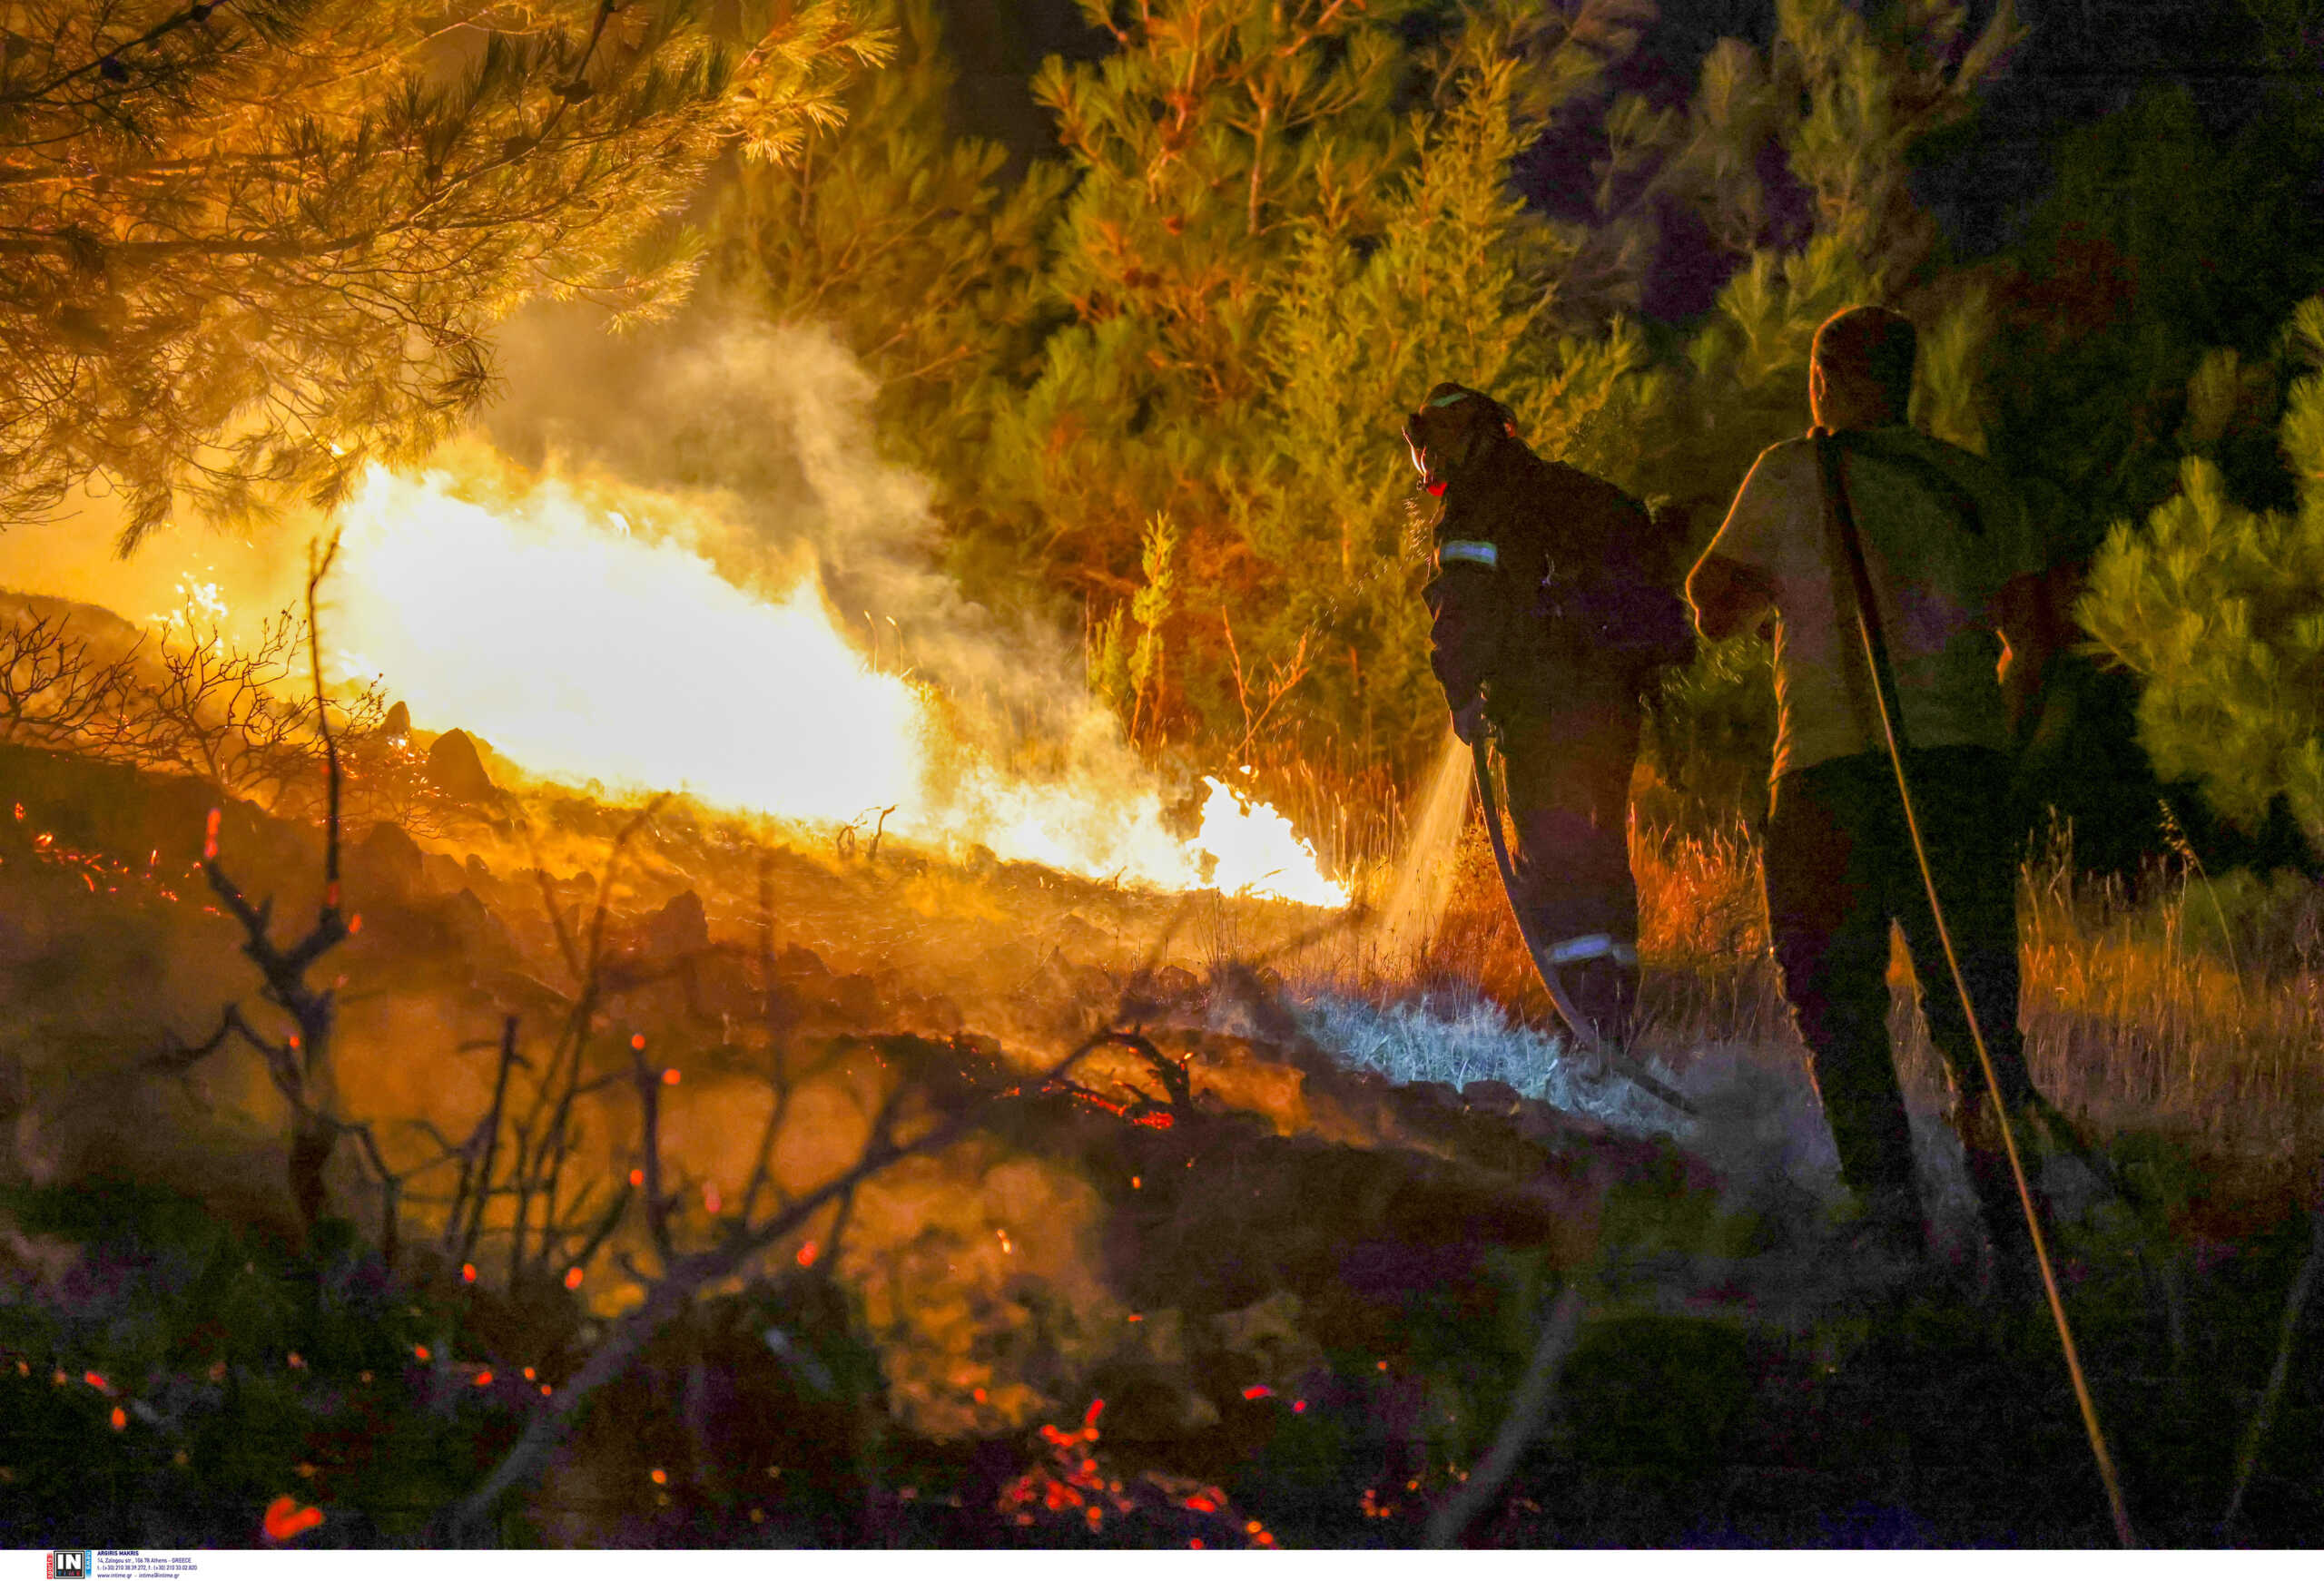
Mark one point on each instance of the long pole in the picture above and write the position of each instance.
(1876, 653)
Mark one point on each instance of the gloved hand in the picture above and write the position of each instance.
(1469, 721)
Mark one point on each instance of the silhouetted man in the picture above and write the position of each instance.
(1955, 567)
(1548, 617)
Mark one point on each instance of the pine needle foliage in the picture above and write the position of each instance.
(251, 245)
(2218, 610)
(1196, 148)
(1201, 151)
(2163, 243)
(910, 244)
(2136, 321)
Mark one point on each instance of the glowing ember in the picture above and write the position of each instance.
(286, 1518)
(589, 649)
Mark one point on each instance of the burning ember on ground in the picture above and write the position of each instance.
(586, 648)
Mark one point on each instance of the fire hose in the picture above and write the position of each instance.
(1840, 518)
(1584, 1030)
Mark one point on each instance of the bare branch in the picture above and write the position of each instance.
(681, 1281)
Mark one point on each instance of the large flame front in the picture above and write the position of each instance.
(587, 651)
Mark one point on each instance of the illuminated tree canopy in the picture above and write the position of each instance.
(250, 244)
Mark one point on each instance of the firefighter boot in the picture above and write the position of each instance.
(1605, 990)
(1885, 1243)
(2016, 1270)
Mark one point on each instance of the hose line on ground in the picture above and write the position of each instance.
(1876, 653)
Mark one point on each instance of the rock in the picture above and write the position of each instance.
(1151, 993)
(935, 1016)
(858, 999)
(1491, 1097)
(679, 928)
(478, 871)
(1177, 982)
(1546, 1123)
(397, 724)
(1440, 1094)
(456, 768)
(481, 937)
(387, 859)
(798, 965)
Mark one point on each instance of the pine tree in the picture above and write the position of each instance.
(1846, 101)
(2160, 242)
(1195, 147)
(2137, 321)
(251, 244)
(2218, 610)
(1452, 279)
(908, 242)
(1267, 264)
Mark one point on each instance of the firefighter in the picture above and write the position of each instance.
(1548, 615)
(1956, 571)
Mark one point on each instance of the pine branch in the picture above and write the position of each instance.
(109, 64)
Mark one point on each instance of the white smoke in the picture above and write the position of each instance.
(770, 428)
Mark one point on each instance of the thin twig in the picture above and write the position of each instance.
(683, 1279)
(299, 1065)
(1526, 1410)
(2246, 1457)
(507, 1063)
(649, 1106)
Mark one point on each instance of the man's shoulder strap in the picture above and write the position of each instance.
(1949, 491)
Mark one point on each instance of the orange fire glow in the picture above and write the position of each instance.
(588, 649)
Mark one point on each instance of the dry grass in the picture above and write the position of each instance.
(2187, 1002)
(1703, 940)
(2181, 1003)
(2184, 1001)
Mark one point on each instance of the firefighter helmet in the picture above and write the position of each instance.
(1453, 427)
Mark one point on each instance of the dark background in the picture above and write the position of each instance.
(2083, 60)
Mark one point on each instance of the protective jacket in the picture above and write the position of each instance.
(1549, 591)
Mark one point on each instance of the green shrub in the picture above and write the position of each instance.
(2218, 610)
(1710, 736)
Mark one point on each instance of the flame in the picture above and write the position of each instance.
(593, 644)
